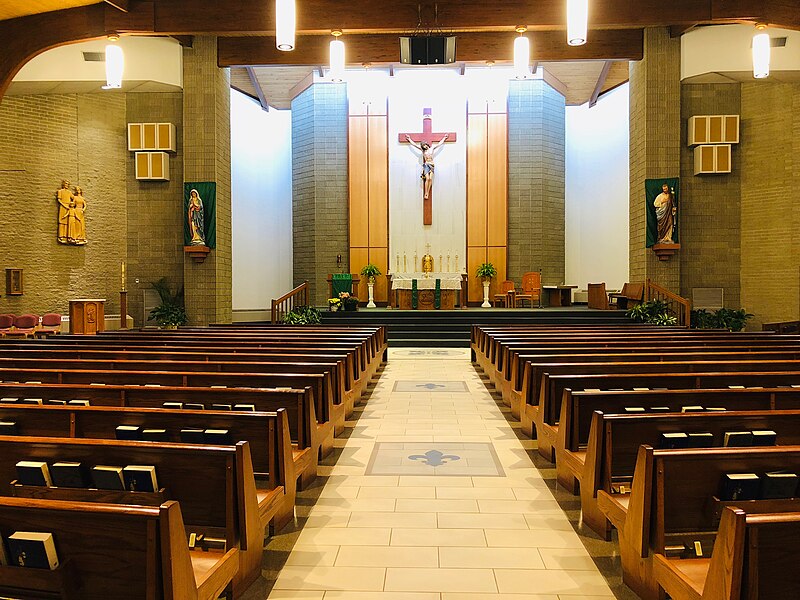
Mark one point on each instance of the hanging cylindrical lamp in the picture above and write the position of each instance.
(522, 54)
(115, 64)
(337, 57)
(285, 23)
(761, 52)
(577, 21)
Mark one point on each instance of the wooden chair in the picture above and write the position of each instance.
(598, 299)
(502, 298)
(531, 288)
(631, 295)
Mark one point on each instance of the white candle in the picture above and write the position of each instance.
(123, 275)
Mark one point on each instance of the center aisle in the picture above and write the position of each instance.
(434, 497)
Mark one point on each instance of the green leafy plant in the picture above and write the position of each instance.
(724, 318)
(655, 312)
(371, 271)
(171, 312)
(303, 315)
(486, 271)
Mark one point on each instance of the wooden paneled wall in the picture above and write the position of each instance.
(368, 160)
(487, 195)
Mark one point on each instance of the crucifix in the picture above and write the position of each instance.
(427, 142)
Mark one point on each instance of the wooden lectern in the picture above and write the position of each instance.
(87, 316)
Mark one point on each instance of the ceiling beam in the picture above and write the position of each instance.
(259, 90)
(385, 48)
(122, 5)
(187, 41)
(601, 81)
(678, 30)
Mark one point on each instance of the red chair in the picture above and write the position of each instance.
(6, 323)
(51, 323)
(25, 325)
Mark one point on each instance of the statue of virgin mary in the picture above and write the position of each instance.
(196, 219)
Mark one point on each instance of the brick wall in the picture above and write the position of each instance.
(319, 185)
(155, 223)
(44, 139)
(207, 157)
(536, 162)
(710, 204)
(770, 164)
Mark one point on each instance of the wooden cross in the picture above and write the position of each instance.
(427, 137)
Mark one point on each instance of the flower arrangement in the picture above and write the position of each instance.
(350, 302)
(334, 304)
(371, 271)
(486, 271)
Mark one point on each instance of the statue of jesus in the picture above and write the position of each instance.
(427, 162)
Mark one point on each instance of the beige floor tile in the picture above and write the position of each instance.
(481, 521)
(490, 558)
(387, 556)
(460, 596)
(393, 520)
(296, 595)
(340, 492)
(342, 536)
(515, 538)
(302, 555)
(326, 578)
(440, 580)
(362, 481)
(547, 581)
(334, 519)
(499, 493)
(435, 481)
(518, 506)
(328, 505)
(437, 506)
(438, 537)
(348, 595)
(555, 522)
(397, 492)
(568, 559)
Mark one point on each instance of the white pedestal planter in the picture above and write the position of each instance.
(371, 303)
(486, 303)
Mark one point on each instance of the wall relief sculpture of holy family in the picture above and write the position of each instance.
(71, 215)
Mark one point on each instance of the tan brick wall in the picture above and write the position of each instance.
(44, 139)
(655, 125)
(770, 134)
(207, 157)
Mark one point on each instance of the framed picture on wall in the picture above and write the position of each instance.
(14, 282)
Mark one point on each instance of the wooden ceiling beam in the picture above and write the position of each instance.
(624, 44)
(601, 81)
(259, 90)
(123, 5)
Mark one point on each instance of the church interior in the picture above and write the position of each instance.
(420, 301)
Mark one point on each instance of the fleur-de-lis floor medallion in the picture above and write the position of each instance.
(434, 458)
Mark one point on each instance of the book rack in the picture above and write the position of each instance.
(89, 495)
(58, 583)
(715, 506)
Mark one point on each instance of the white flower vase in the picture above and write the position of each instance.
(371, 287)
(486, 303)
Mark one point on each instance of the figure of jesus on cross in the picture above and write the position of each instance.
(427, 143)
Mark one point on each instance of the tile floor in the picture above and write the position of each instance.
(433, 495)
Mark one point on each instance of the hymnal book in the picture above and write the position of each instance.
(736, 387)
(217, 436)
(764, 437)
(155, 435)
(634, 409)
(128, 432)
(140, 478)
(32, 401)
(686, 409)
(778, 485)
(221, 407)
(174, 405)
(33, 472)
(193, 436)
(591, 389)
(641, 389)
(8, 428)
(9, 400)
(194, 406)
(249, 407)
(152, 385)
(69, 475)
(704, 439)
(33, 549)
(716, 409)
(33, 383)
(670, 441)
(738, 439)
(660, 409)
(78, 403)
(57, 402)
(97, 384)
(218, 387)
(740, 486)
(108, 478)
(3, 553)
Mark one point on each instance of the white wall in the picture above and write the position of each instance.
(597, 192)
(261, 186)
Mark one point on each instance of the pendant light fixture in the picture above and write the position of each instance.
(761, 52)
(577, 21)
(337, 57)
(522, 54)
(115, 64)
(285, 23)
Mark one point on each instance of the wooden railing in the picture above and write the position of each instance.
(678, 305)
(297, 297)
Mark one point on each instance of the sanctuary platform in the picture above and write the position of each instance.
(450, 328)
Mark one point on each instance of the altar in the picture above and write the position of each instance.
(427, 291)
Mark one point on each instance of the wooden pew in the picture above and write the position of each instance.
(753, 557)
(266, 433)
(214, 485)
(610, 456)
(672, 502)
(298, 405)
(111, 551)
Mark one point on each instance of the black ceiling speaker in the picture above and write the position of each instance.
(428, 50)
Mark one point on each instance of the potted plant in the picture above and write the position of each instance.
(334, 304)
(486, 271)
(302, 315)
(171, 312)
(371, 271)
(349, 302)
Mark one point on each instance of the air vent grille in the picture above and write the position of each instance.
(94, 56)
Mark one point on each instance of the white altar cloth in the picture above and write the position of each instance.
(449, 281)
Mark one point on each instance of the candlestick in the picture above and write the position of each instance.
(397, 264)
(123, 275)
(448, 263)
(405, 264)
(441, 264)
(457, 269)
(415, 262)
